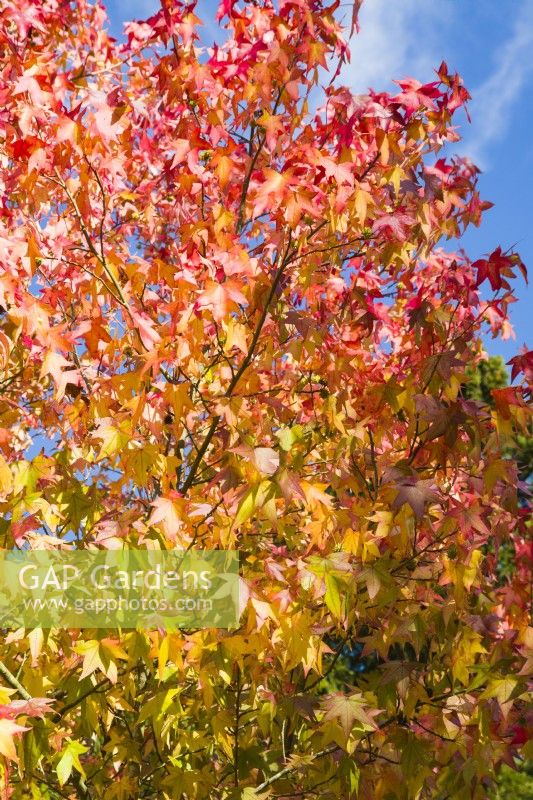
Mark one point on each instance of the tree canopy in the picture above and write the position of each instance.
(231, 318)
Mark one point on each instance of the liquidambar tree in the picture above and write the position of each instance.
(230, 320)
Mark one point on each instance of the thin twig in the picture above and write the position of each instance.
(292, 767)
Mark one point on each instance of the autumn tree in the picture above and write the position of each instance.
(231, 318)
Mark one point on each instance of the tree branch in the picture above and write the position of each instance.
(236, 377)
(248, 177)
(10, 678)
(90, 244)
(292, 767)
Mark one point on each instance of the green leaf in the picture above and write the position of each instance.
(159, 705)
(332, 596)
(501, 688)
(246, 506)
(288, 436)
(411, 756)
(70, 758)
(254, 498)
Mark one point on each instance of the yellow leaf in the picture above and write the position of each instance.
(314, 494)
(224, 167)
(223, 220)
(9, 729)
(361, 205)
(99, 655)
(5, 350)
(113, 649)
(113, 441)
(162, 657)
(350, 543)
(384, 147)
(471, 571)
(141, 461)
(495, 471)
(395, 178)
(235, 337)
(6, 479)
(332, 596)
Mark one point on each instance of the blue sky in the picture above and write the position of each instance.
(490, 43)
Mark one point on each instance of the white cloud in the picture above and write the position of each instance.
(493, 100)
(411, 38)
(397, 39)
